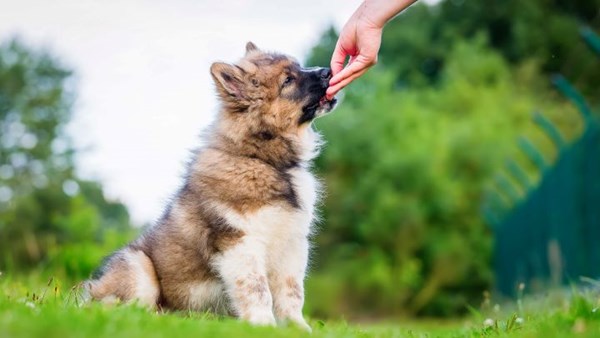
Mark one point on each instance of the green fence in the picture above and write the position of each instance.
(551, 236)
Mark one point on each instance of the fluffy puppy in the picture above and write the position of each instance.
(235, 237)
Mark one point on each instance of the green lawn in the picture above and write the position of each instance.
(54, 311)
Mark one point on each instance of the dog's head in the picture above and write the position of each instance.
(273, 89)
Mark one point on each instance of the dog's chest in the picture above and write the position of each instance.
(279, 221)
(306, 188)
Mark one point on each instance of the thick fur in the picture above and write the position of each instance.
(235, 237)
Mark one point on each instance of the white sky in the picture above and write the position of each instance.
(144, 90)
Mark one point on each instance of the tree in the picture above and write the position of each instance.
(43, 203)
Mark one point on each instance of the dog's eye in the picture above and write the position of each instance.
(288, 80)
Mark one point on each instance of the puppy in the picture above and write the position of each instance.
(234, 239)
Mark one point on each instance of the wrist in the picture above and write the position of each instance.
(371, 14)
(379, 12)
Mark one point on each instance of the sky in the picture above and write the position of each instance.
(144, 92)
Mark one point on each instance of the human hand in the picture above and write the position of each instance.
(360, 39)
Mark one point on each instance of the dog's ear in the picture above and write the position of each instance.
(229, 79)
(250, 47)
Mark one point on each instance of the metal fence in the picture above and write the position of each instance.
(551, 236)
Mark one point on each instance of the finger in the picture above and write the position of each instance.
(352, 59)
(338, 59)
(333, 90)
(330, 93)
(357, 66)
(347, 81)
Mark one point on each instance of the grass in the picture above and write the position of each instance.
(54, 310)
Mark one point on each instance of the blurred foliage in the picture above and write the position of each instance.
(48, 215)
(415, 45)
(416, 142)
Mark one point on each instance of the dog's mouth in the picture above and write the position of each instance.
(327, 105)
(317, 108)
(322, 106)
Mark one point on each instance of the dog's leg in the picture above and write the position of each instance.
(127, 276)
(242, 268)
(287, 281)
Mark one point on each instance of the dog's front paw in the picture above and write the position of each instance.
(298, 322)
(261, 318)
(301, 323)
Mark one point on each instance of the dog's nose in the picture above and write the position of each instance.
(325, 73)
(324, 76)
